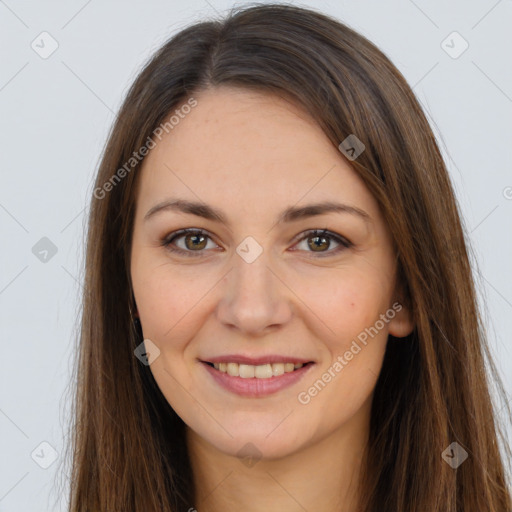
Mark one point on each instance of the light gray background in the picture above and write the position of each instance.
(55, 114)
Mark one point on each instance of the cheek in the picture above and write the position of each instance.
(348, 308)
(344, 304)
(159, 304)
(169, 304)
(172, 303)
(160, 299)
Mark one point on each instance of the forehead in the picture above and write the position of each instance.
(237, 147)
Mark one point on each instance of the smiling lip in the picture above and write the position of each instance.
(254, 387)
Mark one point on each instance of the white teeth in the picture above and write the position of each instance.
(262, 371)
(277, 369)
(246, 371)
(233, 369)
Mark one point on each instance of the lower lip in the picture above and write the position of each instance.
(256, 388)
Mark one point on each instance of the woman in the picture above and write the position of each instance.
(279, 311)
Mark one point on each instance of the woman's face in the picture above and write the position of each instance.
(257, 288)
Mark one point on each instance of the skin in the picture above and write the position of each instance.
(251, 155)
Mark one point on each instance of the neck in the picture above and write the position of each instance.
(323, 476)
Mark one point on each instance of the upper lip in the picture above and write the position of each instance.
(255, 361)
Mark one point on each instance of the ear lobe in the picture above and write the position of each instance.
(402, 324)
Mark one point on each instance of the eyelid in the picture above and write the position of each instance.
(344, 243)
(168, 239)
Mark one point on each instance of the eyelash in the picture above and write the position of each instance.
(169, 239)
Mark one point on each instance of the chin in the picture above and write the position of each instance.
(258, 440)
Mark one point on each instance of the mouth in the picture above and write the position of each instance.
(236, 375)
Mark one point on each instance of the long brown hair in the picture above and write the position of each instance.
(128, 450)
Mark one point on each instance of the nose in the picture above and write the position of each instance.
(255, 298)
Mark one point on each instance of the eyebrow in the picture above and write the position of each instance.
(290, 214)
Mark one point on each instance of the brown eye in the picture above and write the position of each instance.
(193, 241)
(321, 243)
(318, 243)
(188, 242)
